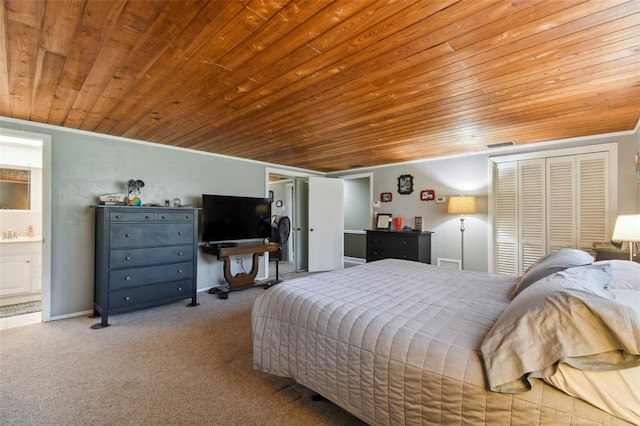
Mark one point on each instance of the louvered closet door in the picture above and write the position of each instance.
(593, 202)
(531, 178)
(561, 201)
(506, 193)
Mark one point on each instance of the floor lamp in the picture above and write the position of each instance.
(627, 229)
(462, 205)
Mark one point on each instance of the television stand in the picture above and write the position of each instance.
(241, 280)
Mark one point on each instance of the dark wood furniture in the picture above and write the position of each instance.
(614, 253)
(241, 280)
(410, 245)
(144, 256)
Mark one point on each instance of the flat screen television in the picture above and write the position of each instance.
(228, 217)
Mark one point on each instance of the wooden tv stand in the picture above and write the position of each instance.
(241, 280)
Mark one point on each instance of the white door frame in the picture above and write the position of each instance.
(289, 174)
(46, 214)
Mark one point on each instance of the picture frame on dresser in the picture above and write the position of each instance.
(383, 221)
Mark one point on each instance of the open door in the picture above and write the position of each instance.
(326, 245)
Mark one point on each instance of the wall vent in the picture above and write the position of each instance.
(501, 144)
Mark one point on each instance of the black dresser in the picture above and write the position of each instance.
(410, 245)
(144, 256)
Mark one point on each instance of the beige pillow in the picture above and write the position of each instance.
(565, 317)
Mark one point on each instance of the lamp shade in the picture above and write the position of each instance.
(627, 228)
(462, 205)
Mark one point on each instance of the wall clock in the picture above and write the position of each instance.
(405, 184)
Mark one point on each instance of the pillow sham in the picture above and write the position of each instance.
(550, 264)
(564, 317)
(625, 274)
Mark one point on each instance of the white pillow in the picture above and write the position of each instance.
(549, 264)
(625, 274)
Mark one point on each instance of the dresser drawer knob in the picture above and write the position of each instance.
(118, 216)
(179, 253)
(179, 233)
(127, 298)
(146, 217)
(127, 235)
(404, 242)
(179, 288)
(127, 258)
(179, 271)
(127, 278)
(161, 217)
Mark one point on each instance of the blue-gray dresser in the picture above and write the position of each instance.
(144, 256)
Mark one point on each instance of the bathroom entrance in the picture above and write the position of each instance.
(21, 200)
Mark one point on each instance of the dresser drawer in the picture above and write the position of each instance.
(124, 278)
(396, 242)
(149, 295)
(128, 258)
(132, 216)
(377, 253)
(150, 234)
(175, 217)
(414, 246)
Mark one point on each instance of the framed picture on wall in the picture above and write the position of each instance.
(386, 197)
(383, 221)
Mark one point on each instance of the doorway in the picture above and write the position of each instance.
(24, 244)
(358, 216)
(289, 194)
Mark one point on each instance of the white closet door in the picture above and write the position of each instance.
(593, 201)
(531, 181)
(561, 201)
(506, 190)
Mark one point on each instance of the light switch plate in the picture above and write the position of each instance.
(375, 204)
(441, 199)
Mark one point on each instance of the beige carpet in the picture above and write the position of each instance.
(169, 365)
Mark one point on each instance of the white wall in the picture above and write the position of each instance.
(470, 175)
(86, 165)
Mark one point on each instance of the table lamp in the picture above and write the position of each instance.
(462, 205)
(627, 229)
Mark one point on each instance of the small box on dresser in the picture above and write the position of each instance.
(409, 245)
(144, 256)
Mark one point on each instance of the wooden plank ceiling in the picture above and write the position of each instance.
(324, 85)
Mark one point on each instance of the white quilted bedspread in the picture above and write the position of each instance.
(398, 342)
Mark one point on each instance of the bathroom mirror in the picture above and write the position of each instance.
(15, 189)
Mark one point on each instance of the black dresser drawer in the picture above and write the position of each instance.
(411, 245)
(133, 298)
(128, 258)
(124, 278)
(149, 234)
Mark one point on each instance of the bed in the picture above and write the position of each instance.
(400, 342)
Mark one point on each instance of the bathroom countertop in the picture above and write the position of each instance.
(36, 239)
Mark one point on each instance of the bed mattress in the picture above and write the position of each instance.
(398, 342)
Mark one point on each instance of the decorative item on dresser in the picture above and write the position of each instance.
(145, 256)
(407, 245)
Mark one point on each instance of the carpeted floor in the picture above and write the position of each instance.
(20, 309)
(169, 365)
